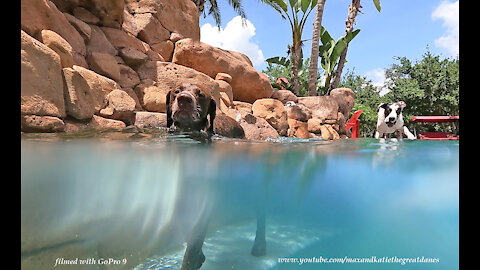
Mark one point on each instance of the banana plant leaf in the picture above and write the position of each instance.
(278, 60)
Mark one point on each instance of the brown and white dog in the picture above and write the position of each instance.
(188, 107)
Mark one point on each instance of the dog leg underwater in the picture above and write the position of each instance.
(194, 258)
(260, 244)
(259, 247)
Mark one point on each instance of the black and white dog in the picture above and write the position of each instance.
(390, 119)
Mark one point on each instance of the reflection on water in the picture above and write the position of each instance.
(139, 198)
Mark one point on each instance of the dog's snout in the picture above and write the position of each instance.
(184, 100)
(391, 119)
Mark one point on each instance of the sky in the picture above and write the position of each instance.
(403, 28)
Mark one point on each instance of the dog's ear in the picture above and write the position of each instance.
(212, 112)
(402, 104)
(382, 105)
(169, 110)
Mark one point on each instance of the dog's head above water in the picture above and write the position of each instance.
(391, 112)
(188, 107)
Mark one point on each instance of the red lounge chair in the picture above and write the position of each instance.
(436, 135)
(354, 124)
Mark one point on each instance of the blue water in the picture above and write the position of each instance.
(356, 198)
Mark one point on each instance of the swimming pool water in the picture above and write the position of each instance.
(139, 198)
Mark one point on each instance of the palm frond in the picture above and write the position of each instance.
(215, 11)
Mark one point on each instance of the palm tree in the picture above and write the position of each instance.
(213, 9)
(313, 69)
(353, 10)
(297, 23)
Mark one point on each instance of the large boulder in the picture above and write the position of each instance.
(226, 92)
(228, 127)
(179, 16)
(104, 64)
(298, 129)
(132, 94)
(133, 57)
(298, 112)
(345, 98)
(284, 96)
(120, 106)
(322, 107)
(150, 119)
(85, 15)
(149, 29)
(274, 112)
(83, 28)
(37, 15)
(121, 39)
(152, 97)
(108, 12)
(328, 132)
(78, 99)
(314, 125)
(247, 83)
(98, 42)
(55, 42)
(167, 75)
(35, 123)
(341, 121)
(100, 86)
(165, 49)
(129, 23)
(242, 106)
(41, 89)
(255, 128)
(101, 123)
(128, 77)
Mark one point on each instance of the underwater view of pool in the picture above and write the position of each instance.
(136, 201)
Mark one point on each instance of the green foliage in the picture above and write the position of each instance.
(291, 11)
(330, 52)
(428, 87)
(277, 69)
(283, 61)
(377, 4)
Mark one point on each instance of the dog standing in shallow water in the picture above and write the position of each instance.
(390, 119)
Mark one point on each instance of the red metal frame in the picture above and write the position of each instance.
(435, 119)
(441, 136)
(354, 124)
(436, 135)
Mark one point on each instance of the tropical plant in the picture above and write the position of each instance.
(213, 9)
(330, 51)
(353, 10)
(283, 69)
(291, 12)
(313, 69)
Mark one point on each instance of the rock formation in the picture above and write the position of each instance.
(110, 63)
